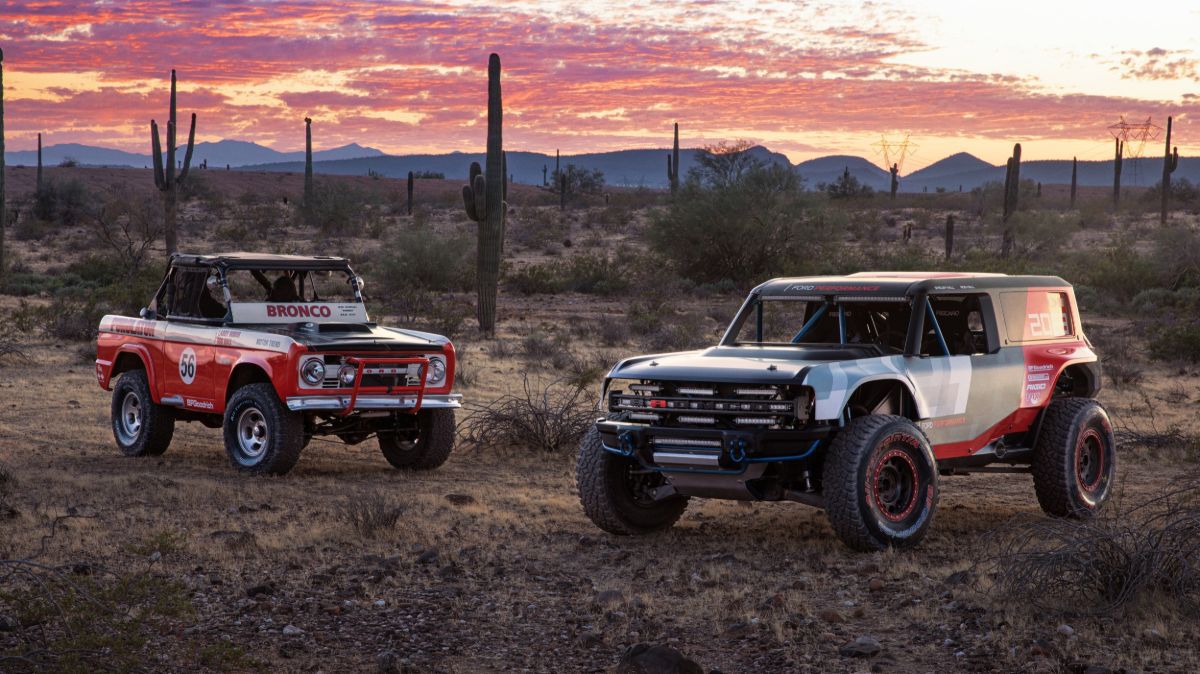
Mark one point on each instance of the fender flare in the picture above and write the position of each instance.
(256, 361)
(142, 353)
(908, 388)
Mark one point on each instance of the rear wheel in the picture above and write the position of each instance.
(1075, 461)
(430, 449)
(618, 495)
(880, 483)
(262, 436)
(140, 426)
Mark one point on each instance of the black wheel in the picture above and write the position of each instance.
(261, 435)
(430, 449)
(880, 483)
(1075, 461)
(141, 426)
(618, 494)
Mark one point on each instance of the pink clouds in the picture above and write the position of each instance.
(410, 77)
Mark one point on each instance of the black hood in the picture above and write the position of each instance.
(365, 336)
(736, 364)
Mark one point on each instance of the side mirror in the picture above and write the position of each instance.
(360, 282)
(148, 314)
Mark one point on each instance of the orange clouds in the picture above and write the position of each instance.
(804, 77)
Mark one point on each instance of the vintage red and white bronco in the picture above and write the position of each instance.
(275, 349)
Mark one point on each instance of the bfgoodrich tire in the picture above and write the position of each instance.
(262, 436)
(140, 426)
(880, 483)
(616, 492)
(435, 441)
(1075, 460)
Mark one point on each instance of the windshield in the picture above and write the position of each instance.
(252, 285)
(786, 321)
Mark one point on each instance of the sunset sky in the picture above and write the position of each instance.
(803, 78)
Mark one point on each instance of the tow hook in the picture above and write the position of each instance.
(737, 450)
(626, 443)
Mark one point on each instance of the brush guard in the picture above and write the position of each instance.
(361, 364)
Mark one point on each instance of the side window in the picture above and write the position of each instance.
(188, 285)
(1036, 315)
(962, 319)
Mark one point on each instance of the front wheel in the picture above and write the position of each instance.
(430, 449)
(880, 483)
(140, 426)
(262, 436)
(618, 495)
(1075, 460)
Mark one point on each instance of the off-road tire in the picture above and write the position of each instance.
(607, 497)
(255, 408)
(143, 427)
(880, 483)
(1074, 434)
(435, 441)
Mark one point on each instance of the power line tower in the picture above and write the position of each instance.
(894, 153)
(1134, 136)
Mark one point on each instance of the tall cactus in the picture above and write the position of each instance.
(1012, 191)
(556, 166)
(675, 163)
(164, 176)
(308, 170)
(39, 172)
(484, 201)
(1170, 163)
(544, 167)
(410, 192)
(670, 171)
(1074, 179)
(949, 235)
(3, 206)
(895, 171)
(1118, 161)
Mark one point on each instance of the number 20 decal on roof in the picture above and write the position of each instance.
(298, 312)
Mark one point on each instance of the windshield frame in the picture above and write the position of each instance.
(920, 311)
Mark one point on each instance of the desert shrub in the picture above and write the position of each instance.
(338, 209)
(743, 230)
(536, 228)
(549, 419)
(1177, 254)
(579, 180)
(608, 218)
(590, 273)
(1176, 341)
(370, 516)
(1040, 233)
(8, 484)
(422, 258)
(846, 187)
(1119, 354)
(612, 330)
(1104, 565)
(64, 203)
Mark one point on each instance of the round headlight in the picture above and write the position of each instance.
(346, 375)
(313, 372)
(437, 371)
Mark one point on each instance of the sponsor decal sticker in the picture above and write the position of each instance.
(198, 404)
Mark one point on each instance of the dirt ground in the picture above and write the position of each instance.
(493, 567)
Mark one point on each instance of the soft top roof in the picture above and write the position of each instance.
(264, 261)
(900, 284)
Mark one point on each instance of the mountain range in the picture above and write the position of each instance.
(633, 168)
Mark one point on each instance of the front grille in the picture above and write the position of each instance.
(692, 405)
(375, 376)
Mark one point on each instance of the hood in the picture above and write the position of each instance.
(329, 336)
(749, 364)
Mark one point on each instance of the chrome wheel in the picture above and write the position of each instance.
(252, 433)
(129, 426)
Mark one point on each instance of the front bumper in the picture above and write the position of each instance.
(667, 448)
(338, 403)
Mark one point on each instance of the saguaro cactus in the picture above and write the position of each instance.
(308, 170)
(1074, 179)
(895, 171)
(1118, 161)
(410, 192)
(949, 235)
(484, 201)
(670, 171)
(39, 171)
(556, 166)
(1170, 163)
(544, 167)
(675, 163)
(3, 206)
(164, 176)
(1012, 190)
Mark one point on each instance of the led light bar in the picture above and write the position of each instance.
(647, 388)
(686, 442)
(780, 407)
(696, 420)
(694, 391)
(642, 416)
(754, 421)
(630, 403)
(756, 391)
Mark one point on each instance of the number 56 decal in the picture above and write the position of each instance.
(187, 365)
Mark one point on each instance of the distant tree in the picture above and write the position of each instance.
(581, 180)
(847, 187)
(724, 164)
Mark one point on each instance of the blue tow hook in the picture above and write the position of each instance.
(626, 443)
(737, 450)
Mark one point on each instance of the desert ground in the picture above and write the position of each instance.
(488, 564)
